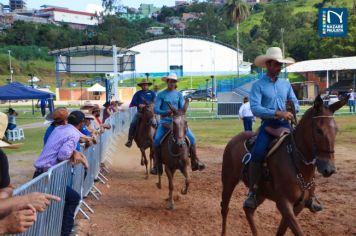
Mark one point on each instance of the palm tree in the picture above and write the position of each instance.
(237, 11)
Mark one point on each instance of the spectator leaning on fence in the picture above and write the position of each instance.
(352, 100)
(17, 214)
(246, 115)
(58, 117)
(60, 146)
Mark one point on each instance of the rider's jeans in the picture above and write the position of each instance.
(263, 138)
(161, 130)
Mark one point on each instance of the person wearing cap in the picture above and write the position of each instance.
(58, 117)
(175, 98)
(140, 100)
(17, 214)
(246, 115)
(60, 146)
(268, 99)
(352, 101)
(107, 112)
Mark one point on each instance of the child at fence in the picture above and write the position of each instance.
(60, 146)
(18, 213)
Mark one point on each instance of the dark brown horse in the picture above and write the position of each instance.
(144, 135)
(175, 153)
(291, 167)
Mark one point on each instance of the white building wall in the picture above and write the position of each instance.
(196, 55)
(74, 18)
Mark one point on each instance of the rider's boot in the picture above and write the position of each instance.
(131, 136)
(313, 203)
(158, 166)
(255, 172)
(195, 162)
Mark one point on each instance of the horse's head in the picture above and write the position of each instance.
(321, 128)
(179, 124)
(147, 111)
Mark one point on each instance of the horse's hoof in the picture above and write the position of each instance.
(142, 163)
(158, 185)
(184, 191)
(171, 207)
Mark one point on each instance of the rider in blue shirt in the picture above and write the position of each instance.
(175, 98)
(139, 100)
(268, 98)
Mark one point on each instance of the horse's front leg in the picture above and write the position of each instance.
(169, 174)
(187, 180)
(288, 218)
(249, 212)
(152, 155)
(283, 226)
(144, 161)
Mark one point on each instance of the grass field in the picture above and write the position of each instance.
(33, 142)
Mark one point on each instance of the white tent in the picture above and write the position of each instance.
(330, 64)
(96, 88)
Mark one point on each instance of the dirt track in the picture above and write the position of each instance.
(132, 205)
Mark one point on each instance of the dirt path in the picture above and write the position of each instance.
(132, 205)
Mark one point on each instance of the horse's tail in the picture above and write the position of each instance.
(231, 171)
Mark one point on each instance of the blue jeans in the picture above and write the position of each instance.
(352, 105)
(248, 123)
(263, 139)
(11, 126)
(72, 200)
(161, 130)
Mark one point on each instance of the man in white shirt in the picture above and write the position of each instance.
(246, 115)
(352, 101)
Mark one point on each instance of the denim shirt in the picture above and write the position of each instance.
(267, 97)
(174, 97)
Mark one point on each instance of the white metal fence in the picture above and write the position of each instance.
(55, 180)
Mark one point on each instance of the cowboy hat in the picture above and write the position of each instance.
(145, 81)
(87, 105)
(171, 76)
(275, 54)
(3, 127)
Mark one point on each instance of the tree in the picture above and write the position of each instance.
(237, 11)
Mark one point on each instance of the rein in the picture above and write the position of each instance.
(292, 149)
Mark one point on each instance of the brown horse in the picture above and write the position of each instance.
(175, 152)
(291, 167)
(144, 135)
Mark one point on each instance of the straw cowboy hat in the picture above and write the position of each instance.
(87, 105)
(3, 126)
(171, 76)
(145, 81)
(273, 53)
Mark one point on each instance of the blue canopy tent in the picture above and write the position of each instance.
(18, 91)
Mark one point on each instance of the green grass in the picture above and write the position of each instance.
(33, 143)
(26, 117)
(219, 132)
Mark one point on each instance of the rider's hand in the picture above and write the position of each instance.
(169, 113)
(141, 106)
(284, 115)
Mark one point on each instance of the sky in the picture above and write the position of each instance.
(90, 5)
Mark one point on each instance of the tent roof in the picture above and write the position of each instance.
(96, 88)
(90, 50)
(18, 91)
(342, 63)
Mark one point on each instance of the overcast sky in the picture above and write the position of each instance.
(90, 5)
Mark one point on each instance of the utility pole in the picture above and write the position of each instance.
(11, 71)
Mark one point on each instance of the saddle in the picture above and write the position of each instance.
(280, 135)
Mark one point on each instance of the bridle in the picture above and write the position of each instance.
(173, 140)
